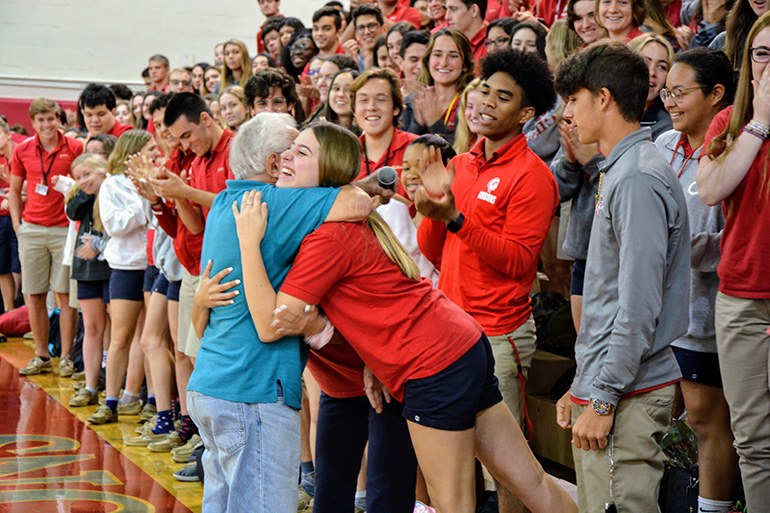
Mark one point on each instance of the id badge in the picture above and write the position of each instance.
(41, 189)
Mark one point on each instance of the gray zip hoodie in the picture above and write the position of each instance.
(637, 276)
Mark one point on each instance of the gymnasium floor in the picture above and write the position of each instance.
(51, 460)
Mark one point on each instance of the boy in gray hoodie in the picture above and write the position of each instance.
(636, 288)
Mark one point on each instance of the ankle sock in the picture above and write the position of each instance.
(112, 404)
(712, 506)
(128, 398)
(151, 400)
(92, 390)
(307, 477)
(188, 428)
(165, 423)
(360, 501)
(306, 468)
(177, 414)
(104, 360)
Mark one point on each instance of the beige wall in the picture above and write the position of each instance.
(54, 47)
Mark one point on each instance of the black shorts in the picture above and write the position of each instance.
(172, 294)
(9, 247)
(160, 286)
(126, 285)
(451, 399)
(701, 368)
(578, 273)
(150, 275)
(99, 289)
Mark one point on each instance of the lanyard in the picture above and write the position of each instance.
(42, 164)
(449, 110)
(387, 154)
(686, 160)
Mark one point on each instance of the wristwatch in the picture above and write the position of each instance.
(455, 224)
(602, 407)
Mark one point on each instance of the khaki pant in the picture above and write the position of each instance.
(506, 367)
(187, 340)
(744, 361)
(640, 421)
(41, 251)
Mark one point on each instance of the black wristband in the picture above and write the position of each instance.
(455, 224)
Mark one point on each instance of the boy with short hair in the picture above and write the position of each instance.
(97, 102)
(636, 293)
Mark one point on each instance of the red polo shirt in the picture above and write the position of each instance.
(479, 45)
(406, 13)
(118, 129)
(32, 163)
(488, 266)
(393, 157)
(186, 243)
(211, 171)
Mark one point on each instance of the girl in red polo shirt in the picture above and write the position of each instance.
(425, 350)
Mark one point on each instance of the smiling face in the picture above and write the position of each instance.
(525, 41)
(211, 78)
(761, 40)
(301, 51)
(161, 130)
(123, 114)
(233, 110)
(151, 151)
(422, 6)
(472, 104)
(656, 57)
(233, 56)
(259, 63)
(275, 102)
(437, 10)
(87, 179)
(368, 29)
(693, 114)
(411, 177)
(393, 44)
(136, 108)
(585, 22)
(759, 7)
(99, 119)
(501, 114)
(299, 164)
(339, 95)
(446, 62)
(328, 70)
(374, 108)
(412, 61)
(617, 17)
(580, 111)
(325, 34)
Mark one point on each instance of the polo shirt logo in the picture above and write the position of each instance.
(487, 195)
(492, 185)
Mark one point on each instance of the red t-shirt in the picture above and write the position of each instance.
(186, 243)
(403, 329)
(479, 46)
(393, 157)
(118, 129)
(211, 172)
(635, 32)
(743, 268)
(338, 370)
(488, 267)
(406, 13)
(32, 163)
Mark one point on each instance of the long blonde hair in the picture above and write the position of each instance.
(227, 74)
(129, 143)
(743, 111)
(340, 163)
(95, 163)
(463, 133)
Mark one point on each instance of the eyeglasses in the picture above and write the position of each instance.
(500, 42)
(302, 47)
(677, 94)
(180, 82)
(371, 27)
(760, 54)
(276, 104)
(311, 72)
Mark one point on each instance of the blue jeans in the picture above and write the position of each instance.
(252, 454)
(344, 426)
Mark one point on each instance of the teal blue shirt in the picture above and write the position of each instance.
(232, 363)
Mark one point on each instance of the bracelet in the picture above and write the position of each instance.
(759, 126)
(159, 202)
(322, 338)
(753, 131)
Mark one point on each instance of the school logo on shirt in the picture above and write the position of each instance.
(487, 195)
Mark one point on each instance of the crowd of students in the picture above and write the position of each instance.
(219, 229)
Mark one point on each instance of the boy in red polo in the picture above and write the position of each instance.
(488, 230)
(43, 232)
(98, 104)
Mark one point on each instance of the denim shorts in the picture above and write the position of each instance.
(702, 368)
(450, 399)
(126, 285)
(150, 275)
(99, 289)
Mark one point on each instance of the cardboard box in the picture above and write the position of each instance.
(548, 439)
(550, 374)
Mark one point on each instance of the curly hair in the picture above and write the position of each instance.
(529, 71)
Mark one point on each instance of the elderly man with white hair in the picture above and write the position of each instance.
(244, 394)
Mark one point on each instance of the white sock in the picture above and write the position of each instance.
(128, 398)
(712, 506)
(104, 360)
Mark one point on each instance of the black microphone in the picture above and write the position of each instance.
(387, 178)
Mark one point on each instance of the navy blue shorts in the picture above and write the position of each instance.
(99, 289)
(172, 294)
(126, 285)
(160, 286)
(9, 247)
(451, 399)
(702, 368)
(578, 273)
(150, 275)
